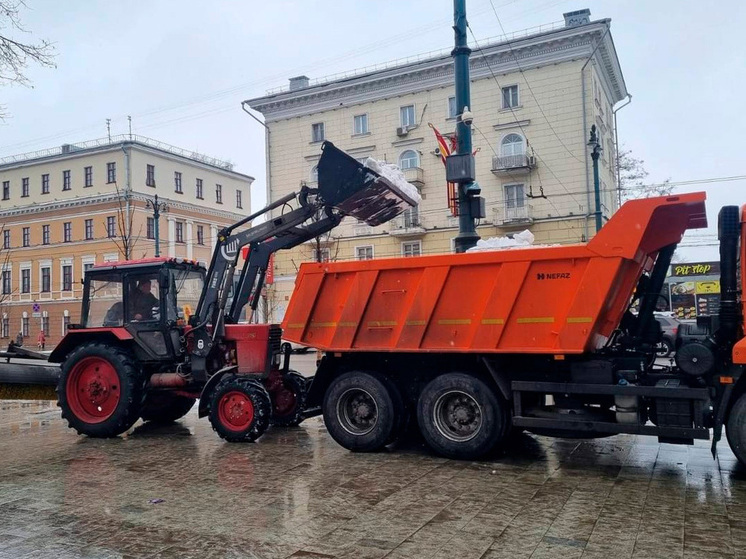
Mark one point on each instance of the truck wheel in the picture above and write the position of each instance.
(100, 391)
(361, 412)
(240, 409)
(163, 407)
(735, 428)
(664, 348)
(289, 402)
(460, 416)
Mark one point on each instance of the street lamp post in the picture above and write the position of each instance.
(596, 150)
(158, 208)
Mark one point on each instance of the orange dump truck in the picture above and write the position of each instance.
(543, 338)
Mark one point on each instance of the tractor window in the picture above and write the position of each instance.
(143, 298)
(188, 288)
(105, 307)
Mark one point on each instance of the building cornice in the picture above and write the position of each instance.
(571, 43)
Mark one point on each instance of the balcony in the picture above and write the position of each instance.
(407, 225)
(513, 216)
(415, 176)
(513, 164)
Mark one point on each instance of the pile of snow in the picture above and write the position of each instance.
(519, 240)
(395, 176)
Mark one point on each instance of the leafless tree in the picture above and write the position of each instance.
(125, 239)
(16, 53)
(632, 175)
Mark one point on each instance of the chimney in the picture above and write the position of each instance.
(298, 82)
(66, 148)
(578, 17)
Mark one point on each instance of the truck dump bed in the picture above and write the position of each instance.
(559, 299)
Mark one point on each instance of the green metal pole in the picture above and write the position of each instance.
(595, 154)
(156, 226)
(467, 236)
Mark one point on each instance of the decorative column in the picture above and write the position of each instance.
(213, 237)
(189, 240)
(171, 237)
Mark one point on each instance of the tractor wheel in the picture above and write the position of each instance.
(461, 417)
(163, 407)
(100, 390)
(362, 412)
(735, 428)
(240, 409)
(289, 401)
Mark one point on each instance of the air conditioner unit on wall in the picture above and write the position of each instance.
(402, 131)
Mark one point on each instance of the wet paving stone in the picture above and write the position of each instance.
(180, 492)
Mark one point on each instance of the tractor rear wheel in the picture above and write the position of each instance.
(289, 401)
(362, 412)
(163, 407)
(735, 428)
(100, 391)
(240, 409)
(461, 417)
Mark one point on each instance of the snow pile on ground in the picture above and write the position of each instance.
(519, 240)
(396, 177)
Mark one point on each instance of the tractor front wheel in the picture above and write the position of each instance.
(289, 400)
(240, 409)
(163, 407)
(100, 391)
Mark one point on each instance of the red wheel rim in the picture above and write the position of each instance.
(93, 390)
(236, 410)
(284, 401)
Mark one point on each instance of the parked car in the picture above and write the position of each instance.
(670, 328)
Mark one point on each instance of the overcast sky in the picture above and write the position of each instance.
(181, 69)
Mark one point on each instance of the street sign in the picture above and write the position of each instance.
(36, 308)
(35, 315)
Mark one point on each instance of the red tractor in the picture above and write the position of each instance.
(157, 334)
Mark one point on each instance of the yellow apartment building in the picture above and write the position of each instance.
(534, 97)
(66, 208)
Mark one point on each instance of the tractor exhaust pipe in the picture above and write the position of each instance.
(729, 233)
(167, 380)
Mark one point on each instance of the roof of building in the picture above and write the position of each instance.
(117, 142)
(547, 44)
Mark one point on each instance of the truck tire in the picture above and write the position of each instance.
(100, 391)
(735, 428)
(461, 417)
(362, 412)
(163, 407)
(289, 403)
(664, 348)
(240, 409)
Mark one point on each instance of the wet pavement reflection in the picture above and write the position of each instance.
(179, 491)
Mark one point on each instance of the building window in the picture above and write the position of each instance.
(179, 232)
(409, 159)
(515, 202)
(45, 183)
(411, 217)
(88, 229)
(322, 254)
(452, 107)
(510, 97)
(411, 248)
(360, 124)
(512, 144)
(111, 172)
(88, 173)
(150, 175)
(407, 117)
(25, 326)
(26, 236)
(7, 285)
(239, 203)
(45, 323)
(6, 190)
(200, 195)
(111, 227)
(65, 323)
(66, 182)
(364, 252)
(87, 266)
(177, 182)
(26, 280)
(45, 234)
(317, 132)
(5, 327)
(200, 235)
(6, 238)
(218, 193)
(150, 228)
(315, 173)
(67, 277)
(67, 231)
(24, 187)
(46, 279)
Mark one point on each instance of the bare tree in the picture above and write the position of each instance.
(125, 240)
(632, 175)
(16, 53)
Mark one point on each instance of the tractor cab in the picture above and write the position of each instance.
(150, 299)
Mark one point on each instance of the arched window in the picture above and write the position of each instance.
(409, 159)
(512, 144)
(315, 173)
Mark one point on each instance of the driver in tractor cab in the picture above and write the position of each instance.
(142, 301)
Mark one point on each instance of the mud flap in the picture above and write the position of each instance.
(717, 430)
(204, 397)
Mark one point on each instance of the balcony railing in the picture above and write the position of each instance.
(414, 175)
(513, 214)
(513, 163)
(407, 225)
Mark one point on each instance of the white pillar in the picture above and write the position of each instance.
(189, 240)
(213, 236)
(171, 237)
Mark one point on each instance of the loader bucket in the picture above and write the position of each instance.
(358, 191)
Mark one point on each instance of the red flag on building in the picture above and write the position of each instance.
(446, 146)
